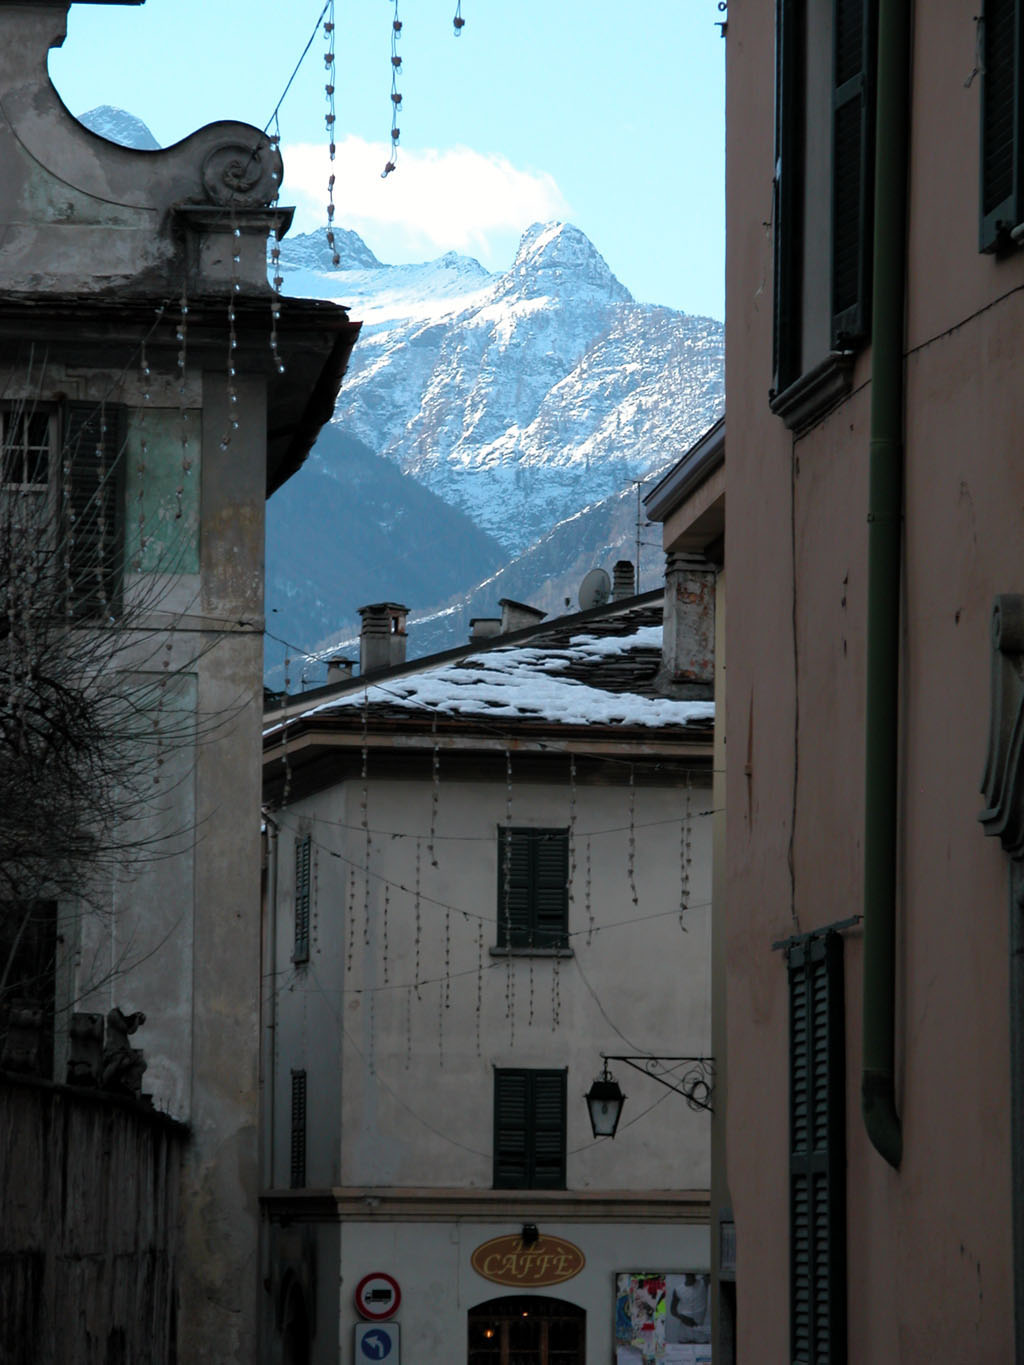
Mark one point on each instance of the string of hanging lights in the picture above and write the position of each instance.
(396, 95)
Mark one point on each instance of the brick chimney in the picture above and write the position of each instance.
(688, 628)
(382, 637)
(623, 580)
(339, 670)
(517, 615)
(484, 627)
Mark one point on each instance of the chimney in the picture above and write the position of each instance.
(688, 628)
(517, 615)
(623, 580)
(339, 670)
(382, 636)
(484, 627)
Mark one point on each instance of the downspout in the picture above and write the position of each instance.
(881, 785)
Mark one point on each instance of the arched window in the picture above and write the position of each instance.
(527, 1330)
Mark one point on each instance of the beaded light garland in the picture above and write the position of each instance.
(329, 124)
(102, 471)
(396, 95)
(685, 855)
(140, 466)
(417, 912)
(479, 1006)
(631, 857)
(183, 413)
(435, 792)
(232, 356)
(351, 916)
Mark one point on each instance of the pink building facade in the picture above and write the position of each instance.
(875, 389)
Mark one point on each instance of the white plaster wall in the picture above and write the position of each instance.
(411, 1072)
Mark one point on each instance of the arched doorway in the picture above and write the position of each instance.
(527, 1330)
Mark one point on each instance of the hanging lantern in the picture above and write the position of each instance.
(604, 1101)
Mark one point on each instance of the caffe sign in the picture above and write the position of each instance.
(507, 1260)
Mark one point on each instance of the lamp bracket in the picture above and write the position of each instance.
(691, 1077)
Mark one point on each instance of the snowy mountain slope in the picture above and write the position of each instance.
(118, 126)
(520, 397)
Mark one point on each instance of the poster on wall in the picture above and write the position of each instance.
(663, 1317)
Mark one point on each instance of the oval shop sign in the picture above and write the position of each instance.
(549, 1260)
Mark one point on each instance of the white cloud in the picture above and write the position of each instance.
(455, 199)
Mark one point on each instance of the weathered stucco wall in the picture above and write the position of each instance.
(406, 1055)
(88, 1228)
(928, 1246)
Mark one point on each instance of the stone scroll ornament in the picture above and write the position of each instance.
(1003, 782)
(240, 175)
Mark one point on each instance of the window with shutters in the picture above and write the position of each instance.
(297, 1172)
(1002, 117)
(61, 494)
(529, 1130)
(822, 209)
(533, 888)
(817, 1160)
(300, 952)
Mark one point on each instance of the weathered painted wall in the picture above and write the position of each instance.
(928, 1246)
(88, 1228)
(413, 1060)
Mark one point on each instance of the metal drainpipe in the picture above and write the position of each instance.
(881, 786)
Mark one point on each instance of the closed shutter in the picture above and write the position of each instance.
(787, 191)
(302, 849)
(515, 887)
(1000, 122)
(511, 1130)
(852, 169)
(548, 1130)
(817, 1152)
(551, 877)
(529, 1129)
(93, 514)
(533, 898)
(297, 1173)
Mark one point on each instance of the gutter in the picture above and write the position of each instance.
(885, 518)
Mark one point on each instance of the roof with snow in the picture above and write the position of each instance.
(594, 669)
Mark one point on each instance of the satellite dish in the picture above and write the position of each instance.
(595, 589)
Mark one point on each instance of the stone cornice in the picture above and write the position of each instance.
(349, 1204)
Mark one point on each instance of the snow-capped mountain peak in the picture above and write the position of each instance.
(552, 254)
(118, 126)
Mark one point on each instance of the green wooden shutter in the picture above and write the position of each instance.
(548, 1130)
(301, 949)
(787, 191)
(297, 1172)
(551, 880)
(511, 1130)
(529, 1129)
(93, 514)
(1001, 151)
(852, 169)
(817, 1121)
(533, 873)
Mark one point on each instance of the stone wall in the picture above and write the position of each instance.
(88, 1220)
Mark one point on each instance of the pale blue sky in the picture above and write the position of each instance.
(608, 114)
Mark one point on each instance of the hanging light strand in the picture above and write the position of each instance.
(631, 857)
(276, 278)
(330, 125)
(396, 94)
